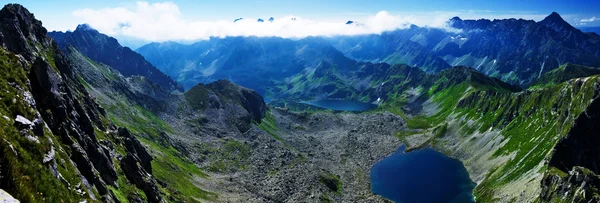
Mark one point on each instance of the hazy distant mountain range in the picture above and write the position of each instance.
(516, 51)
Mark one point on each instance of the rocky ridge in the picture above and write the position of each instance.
(51, 139)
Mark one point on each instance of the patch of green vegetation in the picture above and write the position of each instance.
(197, 97)
(139, 121)
(418, 122)
(563, 73)
(440, 131)
(85, 84)
(48, 54)
(104, 70)
(556, 171)
(331, 181)
(126, 190)
(326, 199)
(50, 58)
(299, 127)
(170, 167)
(197, 122)
(269, 125)
(231, 157)
(118, 194)
(403, 134)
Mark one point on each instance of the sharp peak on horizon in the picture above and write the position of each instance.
(555, 18)
(85, 27)
(554, 15)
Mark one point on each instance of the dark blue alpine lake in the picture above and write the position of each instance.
(341, 105)
(423, 175)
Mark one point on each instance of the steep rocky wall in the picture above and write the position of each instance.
(575, 162)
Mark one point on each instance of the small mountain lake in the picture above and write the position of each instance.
(341, 105)
(423, 175)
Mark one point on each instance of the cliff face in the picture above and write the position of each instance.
(575, 163)
(56, 142)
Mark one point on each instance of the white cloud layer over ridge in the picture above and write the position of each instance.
(164, 21)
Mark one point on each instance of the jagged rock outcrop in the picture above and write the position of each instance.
(131, 165)
(579, 185)
(134, 147)
(575, 162)
(579, 147)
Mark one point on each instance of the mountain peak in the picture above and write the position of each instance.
(554, 17)
(554, 14)
(556, 22)
(84, 27)
(17, 27)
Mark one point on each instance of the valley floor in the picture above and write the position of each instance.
(299, 155)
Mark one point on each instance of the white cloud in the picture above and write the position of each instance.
(589, 20)
(164, 21)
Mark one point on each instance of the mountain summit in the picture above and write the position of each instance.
(556, 22)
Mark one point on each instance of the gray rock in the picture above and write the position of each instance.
(7, 198)
(23, 123)
(50, 156)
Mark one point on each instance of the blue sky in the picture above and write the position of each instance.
(169, 20)
(212, 10)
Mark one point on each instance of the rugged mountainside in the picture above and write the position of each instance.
(134, 102)
(517, 51)
(398, 47)
(56, 142)
(107, 50)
